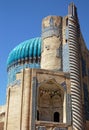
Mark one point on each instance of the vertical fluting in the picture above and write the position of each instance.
(74, 60)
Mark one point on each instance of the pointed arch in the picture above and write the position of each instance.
(50, 100)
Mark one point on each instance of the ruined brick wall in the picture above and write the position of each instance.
(52, 43)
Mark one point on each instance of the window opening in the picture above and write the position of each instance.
(56, 117)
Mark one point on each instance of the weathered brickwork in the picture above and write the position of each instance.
(48, 81)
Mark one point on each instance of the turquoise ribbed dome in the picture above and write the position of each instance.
(29, 48)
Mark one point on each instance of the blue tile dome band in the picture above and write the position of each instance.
(26, 55)
(27, 49)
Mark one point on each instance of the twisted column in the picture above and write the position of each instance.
(74, 60)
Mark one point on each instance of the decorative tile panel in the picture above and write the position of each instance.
(17, 69)
(41, 128)
(66, 33)
(83, 67)
(65, 55)
(69, 109)
(86, 101)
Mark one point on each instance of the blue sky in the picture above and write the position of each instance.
(21, 20)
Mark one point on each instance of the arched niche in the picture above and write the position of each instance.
(51, 99)
(56, 117)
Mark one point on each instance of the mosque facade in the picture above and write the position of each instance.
(48, 79)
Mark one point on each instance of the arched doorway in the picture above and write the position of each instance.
(56, 117)
(37, 115)
(50, 99)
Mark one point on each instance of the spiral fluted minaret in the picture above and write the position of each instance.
(74, 59)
